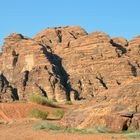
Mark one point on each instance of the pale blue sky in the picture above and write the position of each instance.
(28, 17)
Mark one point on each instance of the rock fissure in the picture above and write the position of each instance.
(59, 35)
(58, 70)
(133, 69)
(101, 80)
(25, 79)
(43, 92)
(120, 50)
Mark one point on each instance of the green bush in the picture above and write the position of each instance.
(59, 113)
(40, 100)
(36, 113)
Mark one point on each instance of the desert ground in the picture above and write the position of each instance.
(16, 124)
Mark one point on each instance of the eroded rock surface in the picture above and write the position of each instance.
(28, 68)
(67, 63)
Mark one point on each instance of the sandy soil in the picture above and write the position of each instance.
(18, 126)
(23, 130)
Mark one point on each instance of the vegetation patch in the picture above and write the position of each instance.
(134, 135)
(41, 100)
(59, 113)
(68, 103)
(47, 126)
(55, 128)
(36, 113)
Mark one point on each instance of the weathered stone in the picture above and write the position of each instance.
(120, 41)
(27, 66)
(64, 63)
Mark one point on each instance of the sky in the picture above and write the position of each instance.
(29, 17)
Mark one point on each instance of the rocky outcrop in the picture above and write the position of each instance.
(31, 66)
(59, 36)
(119, 112)
(67, 63)
(28, 68)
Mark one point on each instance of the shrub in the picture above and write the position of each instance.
(40, 100)
(48, 126)
(68, 103)
(95, 130)
(36, 113)
(55, 128)
(59, 113)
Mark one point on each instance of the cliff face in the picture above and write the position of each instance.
(26, 69)
(67, 63)
(95, 63)
(31, 66)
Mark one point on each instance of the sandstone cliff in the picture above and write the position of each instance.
(67, 63)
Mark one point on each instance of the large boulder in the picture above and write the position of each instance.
(120, 112)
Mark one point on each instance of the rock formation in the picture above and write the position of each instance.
(67, 63)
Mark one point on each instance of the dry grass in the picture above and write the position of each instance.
(41, 100)
(68, 103)
(133, 135)
(59, 113)
(36, 113)
(55, 128)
